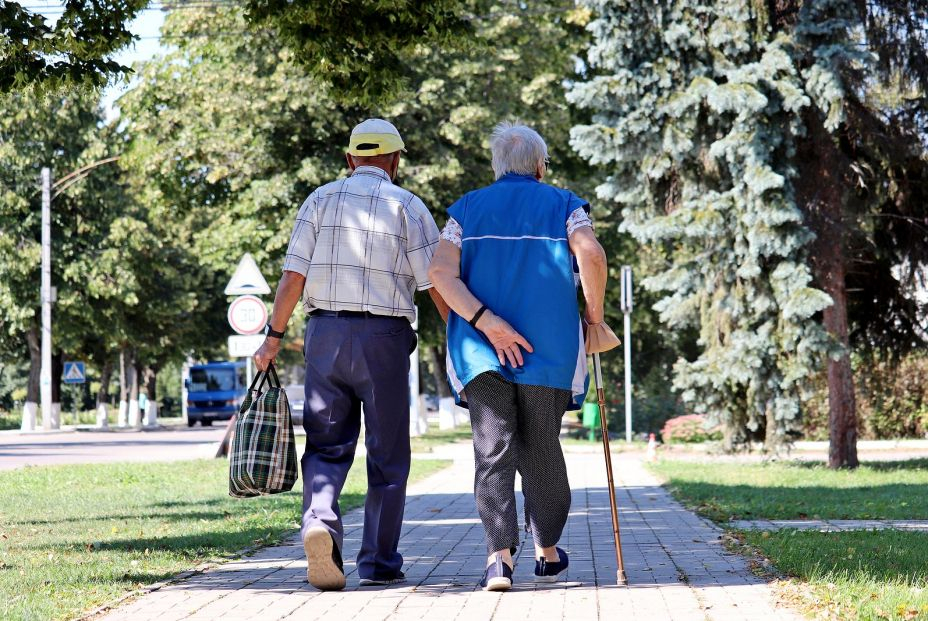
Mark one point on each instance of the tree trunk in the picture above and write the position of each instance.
(132, 367)
(124, 364)
(35, 364)
(842, 407)
(150, 379)
(103, 395)
(439, 372)
(822, 194)
(134, 376)
(57, 373)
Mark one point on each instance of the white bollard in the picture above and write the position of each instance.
(134, 419)
(103, 416)
(56, 415)
(446, 418)
(123, 419)
(423, 420)
(461, 415)
(30, 410)
(151, 414)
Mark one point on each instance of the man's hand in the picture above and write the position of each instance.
(505, 340)
(267, 353)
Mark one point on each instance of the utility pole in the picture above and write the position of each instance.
(48, 294)
(45, 377)
(626, 305)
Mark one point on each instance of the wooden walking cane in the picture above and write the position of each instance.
(620, 576)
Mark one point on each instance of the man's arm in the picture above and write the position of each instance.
(440, 305)
(593, 271)
(289, 291)
(445, 274)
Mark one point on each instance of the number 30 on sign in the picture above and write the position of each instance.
(247, 314)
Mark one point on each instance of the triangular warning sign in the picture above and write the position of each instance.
(73, 372)
(247, 279)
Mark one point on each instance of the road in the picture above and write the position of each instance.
(78, 447)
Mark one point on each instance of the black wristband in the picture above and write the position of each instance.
(478, 315)
(268, 330)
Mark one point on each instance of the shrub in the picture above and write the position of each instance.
(689, 428)
(892, 398)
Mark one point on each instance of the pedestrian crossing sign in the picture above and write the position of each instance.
(73, 373)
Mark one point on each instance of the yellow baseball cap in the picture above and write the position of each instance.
(375, 137)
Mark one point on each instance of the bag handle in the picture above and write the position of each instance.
(265, 376)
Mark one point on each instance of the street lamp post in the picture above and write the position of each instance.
(50, 419)
(45, 377)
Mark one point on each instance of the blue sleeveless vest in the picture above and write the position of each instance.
(515, 259)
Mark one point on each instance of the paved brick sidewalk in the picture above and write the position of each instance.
(676, 567)
(828, 526)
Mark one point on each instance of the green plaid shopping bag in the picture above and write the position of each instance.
(263, 456)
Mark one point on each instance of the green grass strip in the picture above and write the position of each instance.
(74, 537)
(799, 490)
(852, 575)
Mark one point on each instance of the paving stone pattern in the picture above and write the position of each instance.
(676, 567)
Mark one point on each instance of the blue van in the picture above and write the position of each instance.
(215, 391)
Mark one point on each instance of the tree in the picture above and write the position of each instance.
(35, 131)
(231, 171)
(358, 48)
(730, 137)
(73, 52)
(362, 49)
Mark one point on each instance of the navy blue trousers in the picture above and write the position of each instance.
(352, 361)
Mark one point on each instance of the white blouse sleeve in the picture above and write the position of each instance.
(452, 232)
(578, 219)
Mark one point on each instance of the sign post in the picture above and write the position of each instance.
(247, 316)
(626, 306)
(247, 313)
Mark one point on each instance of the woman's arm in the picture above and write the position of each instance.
(593, 271)
(445, 274)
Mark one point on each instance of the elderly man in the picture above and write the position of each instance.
(360, 248)
(515, 342)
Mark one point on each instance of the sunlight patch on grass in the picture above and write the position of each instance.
(799, 490)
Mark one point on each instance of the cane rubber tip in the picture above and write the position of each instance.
(620, 578)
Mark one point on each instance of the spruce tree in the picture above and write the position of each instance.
(724, 128)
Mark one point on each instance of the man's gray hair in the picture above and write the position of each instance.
(517, 149)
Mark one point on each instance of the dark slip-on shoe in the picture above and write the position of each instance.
(550, 571)
(497, 577)
(399, 578)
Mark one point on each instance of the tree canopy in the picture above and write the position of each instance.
(742, 139)
(76, 50)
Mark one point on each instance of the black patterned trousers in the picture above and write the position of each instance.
(516, 427)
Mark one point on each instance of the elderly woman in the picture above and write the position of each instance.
(515, 340)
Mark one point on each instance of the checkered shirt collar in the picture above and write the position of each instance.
(372, 170)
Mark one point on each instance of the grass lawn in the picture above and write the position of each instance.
(798, 490)
(433, 437)
(848, 575)
(74, 537)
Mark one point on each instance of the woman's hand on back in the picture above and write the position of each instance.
(505, 340)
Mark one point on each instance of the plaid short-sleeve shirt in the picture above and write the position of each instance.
(363, 244)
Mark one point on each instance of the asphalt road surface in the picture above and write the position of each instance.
(82, 447)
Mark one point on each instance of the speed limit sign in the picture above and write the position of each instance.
(247, 314)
